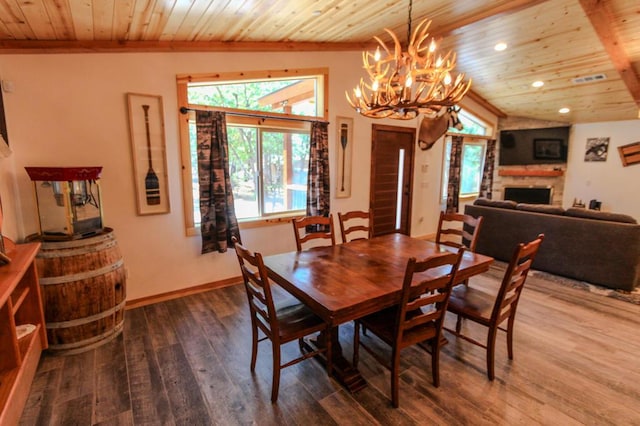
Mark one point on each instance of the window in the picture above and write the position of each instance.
(268, 134)
(473, 153)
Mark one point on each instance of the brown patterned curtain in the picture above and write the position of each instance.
(318, 185)
(453, 186)
(487, 173)
(218, 214)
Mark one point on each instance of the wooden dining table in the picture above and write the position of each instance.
(348, 281)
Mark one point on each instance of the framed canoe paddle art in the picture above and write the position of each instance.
(146, 125)
(344, 144)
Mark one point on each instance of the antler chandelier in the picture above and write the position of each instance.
(405, 84)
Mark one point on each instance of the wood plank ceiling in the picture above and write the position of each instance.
(554, 41)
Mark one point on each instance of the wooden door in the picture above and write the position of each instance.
(392, 152)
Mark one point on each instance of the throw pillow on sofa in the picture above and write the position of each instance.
(503, 204)
(540, 208)
(598, 215)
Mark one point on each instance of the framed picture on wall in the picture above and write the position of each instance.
(4, 259)
(4, 136)
(547, 149)
(344, 148)
(596, 149)
(146, 126)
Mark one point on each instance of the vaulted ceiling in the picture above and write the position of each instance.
(587, 52)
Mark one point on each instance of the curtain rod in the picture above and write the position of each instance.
(185, 110)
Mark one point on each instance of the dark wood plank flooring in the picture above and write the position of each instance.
(186, 362)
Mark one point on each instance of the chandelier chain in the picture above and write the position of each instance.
(409, 24)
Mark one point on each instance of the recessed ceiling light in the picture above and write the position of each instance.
(500, 46)
(538, 83)
(316, 13)
(564, 110)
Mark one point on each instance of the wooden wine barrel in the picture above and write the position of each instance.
(83, 285)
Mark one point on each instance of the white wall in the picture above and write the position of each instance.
(608, 181)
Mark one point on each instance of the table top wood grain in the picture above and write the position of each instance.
(347, 281)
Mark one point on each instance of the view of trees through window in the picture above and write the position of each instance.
(257, 95)
(472, 160)
(267, 165)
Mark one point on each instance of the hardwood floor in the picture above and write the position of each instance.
(186, 361)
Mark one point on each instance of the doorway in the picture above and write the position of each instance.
(392, 151)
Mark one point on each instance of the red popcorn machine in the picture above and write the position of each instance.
(68, 201)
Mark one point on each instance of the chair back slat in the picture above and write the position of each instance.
(458, 230)
(430, 316)
(514, 279)
(311, 228)
(425, 302)
(356, 222)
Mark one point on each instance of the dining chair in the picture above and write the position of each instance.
(418, 318)
(491, 310)
(458, 230)
(355, 222)
(280, 324)
(310, 228)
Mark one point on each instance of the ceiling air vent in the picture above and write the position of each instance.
(589, 78)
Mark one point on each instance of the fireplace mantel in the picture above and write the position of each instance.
(530, 172)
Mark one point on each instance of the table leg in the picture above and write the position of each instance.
(343, 371)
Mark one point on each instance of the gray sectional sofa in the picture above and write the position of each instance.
(597, 247)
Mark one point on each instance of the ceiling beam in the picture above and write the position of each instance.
(108, 46)
(602, 18)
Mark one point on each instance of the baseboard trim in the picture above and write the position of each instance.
(431, 237)
(163, 297)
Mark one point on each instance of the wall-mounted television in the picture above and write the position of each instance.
(534, 146)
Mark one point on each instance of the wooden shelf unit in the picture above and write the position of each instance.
(20, 303)
(530, 172)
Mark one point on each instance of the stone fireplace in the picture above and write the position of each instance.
(549, 176)
(540, 180)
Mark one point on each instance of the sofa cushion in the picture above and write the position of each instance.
(503, 204)
(598, 215)
(540, 208)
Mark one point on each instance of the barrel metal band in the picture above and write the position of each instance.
(90, 343)
(83, 275)
(52, 254)
(85, 320)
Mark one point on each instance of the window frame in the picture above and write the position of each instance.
(273, 120)
(468, 138)
(472, 142)
(260, 131)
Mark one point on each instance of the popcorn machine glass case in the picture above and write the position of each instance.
(68, 201)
